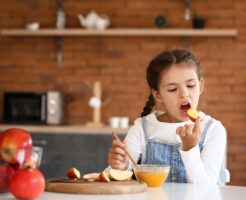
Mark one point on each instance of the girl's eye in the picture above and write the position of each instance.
(172, 90)
(191, 86)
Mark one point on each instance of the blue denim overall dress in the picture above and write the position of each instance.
(161, 153)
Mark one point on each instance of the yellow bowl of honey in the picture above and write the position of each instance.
(152, 175)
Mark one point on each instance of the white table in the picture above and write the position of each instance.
(169, 191)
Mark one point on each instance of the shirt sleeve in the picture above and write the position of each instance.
(133, 141)
(204, 166)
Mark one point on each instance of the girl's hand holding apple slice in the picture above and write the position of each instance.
(190, 133)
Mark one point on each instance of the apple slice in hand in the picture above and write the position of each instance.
(103, 177)
(192, 114)
(120, 175)
(73, 173)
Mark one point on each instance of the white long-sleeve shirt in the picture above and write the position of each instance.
(201, 167)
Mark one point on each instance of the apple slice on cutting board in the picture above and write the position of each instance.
(113, 174)
(120, 175)
(103, 177)
(73, 173)
(91, 176)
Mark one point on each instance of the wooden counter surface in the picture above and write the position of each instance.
(65, 129)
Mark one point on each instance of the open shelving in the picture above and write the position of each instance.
(123, 32)
(186, 33)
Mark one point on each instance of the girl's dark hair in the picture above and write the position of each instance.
(162, 62)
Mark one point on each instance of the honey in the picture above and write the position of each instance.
(152, 179)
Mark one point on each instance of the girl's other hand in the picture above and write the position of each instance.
(189, 134)
(117, 157)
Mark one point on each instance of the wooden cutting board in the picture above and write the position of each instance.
(80, 186)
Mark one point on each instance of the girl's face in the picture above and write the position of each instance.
(179, 90)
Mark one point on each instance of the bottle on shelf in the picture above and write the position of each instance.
(60, 16)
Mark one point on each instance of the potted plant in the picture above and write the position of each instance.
(198, 21)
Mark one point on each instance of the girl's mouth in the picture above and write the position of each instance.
(184, 107)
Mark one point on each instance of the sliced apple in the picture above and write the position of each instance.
(91, 176)
(192, 114)
(103, 177)
(120, 175)
(73, 173)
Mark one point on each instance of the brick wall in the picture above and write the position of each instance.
(29, 63)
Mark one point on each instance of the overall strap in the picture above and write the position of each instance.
(205, 130)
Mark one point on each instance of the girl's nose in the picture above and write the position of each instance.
(183, 94)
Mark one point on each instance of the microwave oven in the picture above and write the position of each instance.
(33, 108)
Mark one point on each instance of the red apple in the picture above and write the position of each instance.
(1, 138)
(6, 172)
(15, 145)
(73, 173)
(192, 114)
(103, 177)
(27, 183)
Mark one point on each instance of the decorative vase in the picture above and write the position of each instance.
(198, 23)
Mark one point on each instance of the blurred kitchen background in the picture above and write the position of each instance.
(70, 62)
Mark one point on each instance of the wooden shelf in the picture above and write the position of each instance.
(118, 32)
(66, 129)
(123, 32)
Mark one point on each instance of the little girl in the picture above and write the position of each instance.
(194, 151)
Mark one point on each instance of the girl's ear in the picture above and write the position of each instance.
(156, 96)
(159, 104)
(201, 85)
